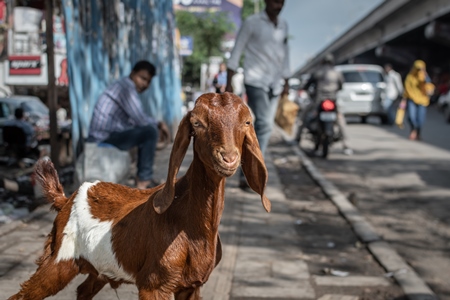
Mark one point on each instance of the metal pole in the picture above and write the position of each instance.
(51, 87)
(256, 2)
(10, 4)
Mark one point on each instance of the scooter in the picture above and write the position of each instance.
(321, 123)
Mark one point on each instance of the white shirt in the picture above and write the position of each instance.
(266, 52)
(394, 86)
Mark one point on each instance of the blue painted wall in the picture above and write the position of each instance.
(104, 40)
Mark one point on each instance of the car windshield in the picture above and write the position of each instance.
(35, 107)
(362, 76)
(295, 86)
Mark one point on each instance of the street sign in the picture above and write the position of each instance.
(186, 45)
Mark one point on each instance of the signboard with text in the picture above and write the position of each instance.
(27, 57)
(186, 45)
(24, 65)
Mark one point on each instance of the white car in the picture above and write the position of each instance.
(363, 91)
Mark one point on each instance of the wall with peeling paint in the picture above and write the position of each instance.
(104, 40)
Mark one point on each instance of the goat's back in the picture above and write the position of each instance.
(111, 202)
(86, 225)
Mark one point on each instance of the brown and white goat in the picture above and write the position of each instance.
(164, 240)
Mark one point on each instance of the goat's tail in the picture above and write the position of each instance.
(47, 177)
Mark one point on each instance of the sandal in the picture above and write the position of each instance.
(154, 183)
(151, 183)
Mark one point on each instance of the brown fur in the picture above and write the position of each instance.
(166, 237)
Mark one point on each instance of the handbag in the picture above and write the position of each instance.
(400, 116)
(286, 114)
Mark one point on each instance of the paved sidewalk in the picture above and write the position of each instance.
(402, 188)
(262, 258)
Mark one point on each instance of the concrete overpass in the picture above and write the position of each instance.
(397, 31)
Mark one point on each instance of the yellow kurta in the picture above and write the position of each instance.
(417, 89)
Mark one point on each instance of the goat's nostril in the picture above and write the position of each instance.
(229, 157)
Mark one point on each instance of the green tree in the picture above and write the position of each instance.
(251, 6)
(207, 30)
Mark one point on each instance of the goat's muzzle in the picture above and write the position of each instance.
(227, 162)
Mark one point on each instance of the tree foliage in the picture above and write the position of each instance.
(207, 31)
(248, 7)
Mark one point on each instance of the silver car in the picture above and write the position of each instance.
(363, 91)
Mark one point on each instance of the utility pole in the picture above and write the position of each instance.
(51, 87)
(256, 2)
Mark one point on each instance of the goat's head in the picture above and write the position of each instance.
(222, 127)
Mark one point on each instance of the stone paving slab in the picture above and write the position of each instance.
(402, 272)
(351, 281)
(251, 293)
(268, 264)
(338, 297)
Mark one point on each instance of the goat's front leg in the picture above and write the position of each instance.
(145, 294)
(90, 287)
(218, 251)
(189, 294)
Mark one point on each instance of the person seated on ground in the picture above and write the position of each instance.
(119, 120)
(20, 122)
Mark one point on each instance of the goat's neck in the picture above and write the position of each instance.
(207, 194)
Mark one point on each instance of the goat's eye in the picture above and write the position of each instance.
(248, 123)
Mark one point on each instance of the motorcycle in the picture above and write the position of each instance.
(321, 124)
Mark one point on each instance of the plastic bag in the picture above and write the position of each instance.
(102, 162)
(286, 114)
(399, 117)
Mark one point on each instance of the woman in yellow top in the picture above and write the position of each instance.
(416, 97)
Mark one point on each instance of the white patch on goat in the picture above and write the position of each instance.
(87, 237)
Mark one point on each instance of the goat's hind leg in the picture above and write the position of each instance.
(50, 278)
(189, 294)
(90, 287)
(145, 294)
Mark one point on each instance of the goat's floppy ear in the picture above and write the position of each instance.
(253, 166)
(163, 198)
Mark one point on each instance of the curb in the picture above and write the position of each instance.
(412, 285)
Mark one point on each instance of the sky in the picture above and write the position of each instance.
(314, 24)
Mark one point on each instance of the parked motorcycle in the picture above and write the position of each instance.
(320, 124)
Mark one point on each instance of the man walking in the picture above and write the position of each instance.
(263, 38)
(394, 90)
